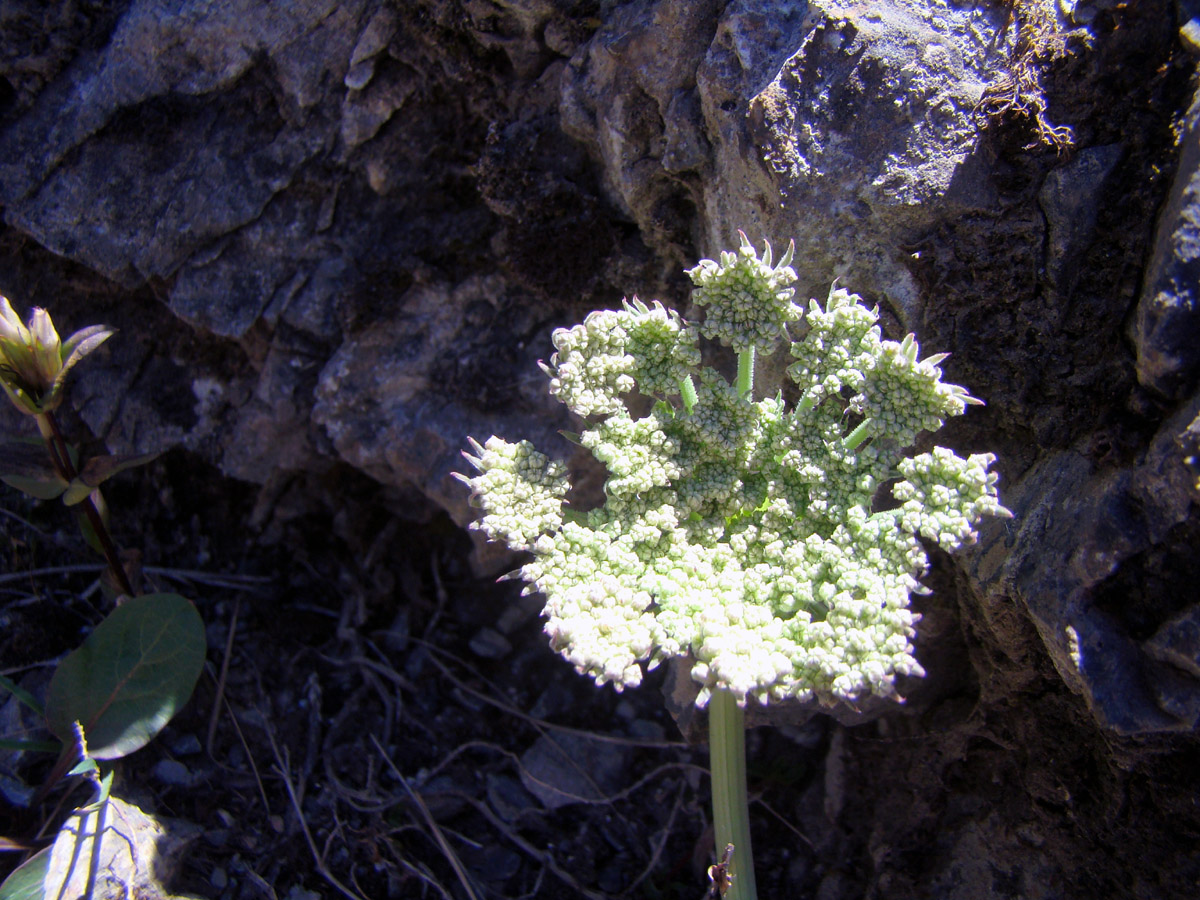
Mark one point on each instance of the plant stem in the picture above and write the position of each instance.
(731, 810)
(61, 456)
(745, 373)
(858, 435)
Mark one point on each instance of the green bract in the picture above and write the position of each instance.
(33, 361)
(748, 302)
(741, 533)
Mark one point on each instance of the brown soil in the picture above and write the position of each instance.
(345, 738)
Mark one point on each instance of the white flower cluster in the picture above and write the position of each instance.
(521, 491)
(944, 495)
(613, 350)
(748, 302)
(899, 395)
(740, 534)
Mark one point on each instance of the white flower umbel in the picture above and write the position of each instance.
(740, 534)
(748, 302)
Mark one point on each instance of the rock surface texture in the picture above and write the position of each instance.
(339, 234)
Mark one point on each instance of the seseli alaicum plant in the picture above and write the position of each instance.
(751, 536)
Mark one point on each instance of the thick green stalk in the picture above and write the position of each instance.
(731, 810)
(727, 747)
(745, 373)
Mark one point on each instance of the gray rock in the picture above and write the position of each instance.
(186, 745)
(394, 404)
(1167, 326)
(488, 643)
(1188, 12)
(866, 134)
(1071, 534)
(1070, 198)
(197, 172)
(1177, 641)
(342, 233)
(562, 769)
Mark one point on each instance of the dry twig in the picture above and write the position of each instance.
(282, 766)
(443, 844)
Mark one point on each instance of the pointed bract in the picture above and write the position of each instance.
(34, 363)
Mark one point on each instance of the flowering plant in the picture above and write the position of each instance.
(139, 665)
(746, 535)
(740, 532)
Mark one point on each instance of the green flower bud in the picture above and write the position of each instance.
(33, 361)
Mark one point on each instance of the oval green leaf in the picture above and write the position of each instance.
(131, 675)
(38, 488)
(25, 466)
(27, 882)
(76, 492)
(99, 469)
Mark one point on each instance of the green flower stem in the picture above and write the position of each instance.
(727, 746)
(745, 373)
(858, 435)
(731, 810)
(61, 456)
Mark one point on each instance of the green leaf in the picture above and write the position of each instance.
(20, 693)
(85, 524)
(84, 766)
(103, 783)
(131, 675)
(28, 881)
(84, 341)
(26, 466)
(104, 789)
(76, 492)
(39, 489)
(78, 345)
(29, 746)
(99, 469)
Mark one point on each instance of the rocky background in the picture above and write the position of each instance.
(336, 237)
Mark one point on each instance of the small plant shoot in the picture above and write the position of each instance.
(138, 667)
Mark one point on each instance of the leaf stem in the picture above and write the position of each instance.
(731, 809)
(61, 457)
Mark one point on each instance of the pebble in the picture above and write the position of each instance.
(173, 772)
(488, 643)
(186, 745)
(508, 797)
(561, 769)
